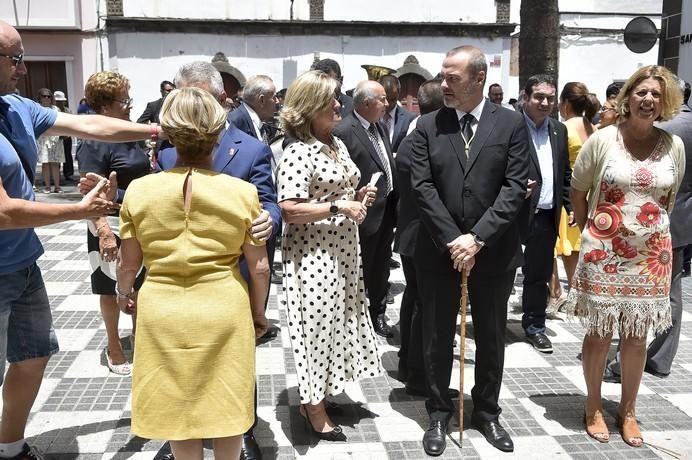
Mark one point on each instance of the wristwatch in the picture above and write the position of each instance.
(333, 208)
(477, 240)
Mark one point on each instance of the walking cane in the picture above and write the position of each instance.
(462, 346)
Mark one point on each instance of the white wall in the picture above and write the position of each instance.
(146, 59)
(685, 63)
(334, 10)
(630, 7)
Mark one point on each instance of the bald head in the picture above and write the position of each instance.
(11, 66)
(370, 100)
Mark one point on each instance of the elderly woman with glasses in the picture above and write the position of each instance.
(107, 93)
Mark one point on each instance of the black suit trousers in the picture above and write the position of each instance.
(488, 297)
(376, 250)
(410, 352)
(537, 269)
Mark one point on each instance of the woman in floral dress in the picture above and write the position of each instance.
(623, 189)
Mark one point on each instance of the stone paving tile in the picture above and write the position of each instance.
(82, 411)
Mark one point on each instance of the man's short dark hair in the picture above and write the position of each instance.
(493, 86)
(389, 82)
(430, 97)
(327, 66)
(613, 89)
(535, 80)
(164, 83)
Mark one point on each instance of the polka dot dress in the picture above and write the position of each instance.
(331, 334)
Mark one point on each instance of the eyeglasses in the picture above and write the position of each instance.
(127, 102)
(45, 95)
(17, 59)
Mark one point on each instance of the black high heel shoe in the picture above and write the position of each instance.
(335, 435)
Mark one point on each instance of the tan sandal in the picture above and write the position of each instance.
(596, 426)
(629, 429)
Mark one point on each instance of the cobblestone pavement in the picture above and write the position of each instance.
(83, 411)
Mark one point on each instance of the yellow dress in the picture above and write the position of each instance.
(194, 366)
(569, 238)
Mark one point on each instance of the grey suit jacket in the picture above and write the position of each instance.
(681, 218)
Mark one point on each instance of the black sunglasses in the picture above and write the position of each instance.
(45, 95)
(18, 59)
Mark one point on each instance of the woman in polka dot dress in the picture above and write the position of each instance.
(331, 333)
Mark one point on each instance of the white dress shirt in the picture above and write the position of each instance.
(366, 124)
(544, 151)
(256, 122)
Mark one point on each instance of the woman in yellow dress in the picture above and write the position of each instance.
(194, 376)
(577, 108)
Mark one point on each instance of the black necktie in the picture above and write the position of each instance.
(466, 131)
(372, 133)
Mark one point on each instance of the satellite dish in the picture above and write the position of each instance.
(640, 34)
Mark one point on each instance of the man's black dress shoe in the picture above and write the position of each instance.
(452, 393)
(393, 263)
(389, 298)
(249, 450)
(610, 376)
(540, 342)
(655, 373)
(381, 327)
(495, 435)
(168, 456)
(435, 438)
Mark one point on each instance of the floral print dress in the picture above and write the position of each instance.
(623, 275)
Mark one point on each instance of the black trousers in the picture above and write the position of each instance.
(662, 350)
(537, 269)
(411, 351)
(68, 166)
(376, 250)
(488, 296)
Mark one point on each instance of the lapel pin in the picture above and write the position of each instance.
(231, 152)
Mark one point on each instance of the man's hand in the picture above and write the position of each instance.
(261, 327)
(366, 195)
(127, 305)
(88, 182)
(460, 264)
(530, 187)
(94, 204)
(262, 226)
(464, 246)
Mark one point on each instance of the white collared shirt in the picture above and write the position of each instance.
(476, 112)
(544, 152)
(256, 122)
(366, 124)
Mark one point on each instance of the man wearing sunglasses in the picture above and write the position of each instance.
(27, 337)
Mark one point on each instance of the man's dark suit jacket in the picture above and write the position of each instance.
(482, 194)
(363, 153)
(408, 222)
(562, 176)
(346, 102)
(240, 117)
(402, 120)
(681, 217)
(246, 158)
(151, 112)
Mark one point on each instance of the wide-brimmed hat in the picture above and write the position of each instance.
(59, 96)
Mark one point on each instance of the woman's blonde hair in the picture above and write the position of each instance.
(308, 94)
(192, 119)
(670, 92)
(102, 88)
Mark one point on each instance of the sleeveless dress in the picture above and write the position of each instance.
(194, 370)
(623, 274)
(331, 332)
(569, 238)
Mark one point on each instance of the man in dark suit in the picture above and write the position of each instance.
(411, 352)
(549, 182)
(396, 119)
(151, 112)
(369, 148)
(244, 157)
(469, 170)
(333, 69)
(258, 107)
